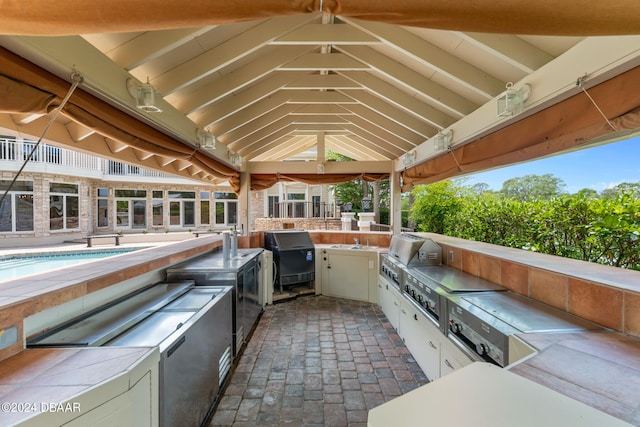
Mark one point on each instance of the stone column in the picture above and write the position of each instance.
(365, 219)
(346, 220)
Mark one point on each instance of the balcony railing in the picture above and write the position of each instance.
(18, 151)
(301, 209)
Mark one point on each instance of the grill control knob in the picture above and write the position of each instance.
(482, 349)
(456, 328)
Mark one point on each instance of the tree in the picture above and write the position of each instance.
(354, 191)
(435, 206)
(588, 193)
(480, 188)
(632, 188)
(532, 187)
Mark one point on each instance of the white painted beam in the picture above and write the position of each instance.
(150, 45)
(227, 52)
(510, 49)
(198, 96)
(401, 99)
(442, 98)
(433, 57)
(323, 34)
(324, 62)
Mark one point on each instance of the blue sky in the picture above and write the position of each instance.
(597, 168)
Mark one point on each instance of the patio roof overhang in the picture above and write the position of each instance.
(276, 81)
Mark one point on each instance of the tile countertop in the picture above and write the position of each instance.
(600, 369)
(619, 278)
(36, 378)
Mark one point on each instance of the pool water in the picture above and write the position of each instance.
(15, 266)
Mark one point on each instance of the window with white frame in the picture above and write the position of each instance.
(273, 207)
(131, 209)
(64, 206)
(158, 208)
(226, 206)
(296, 205)
(102, 208)
(16, 210)
(182, 208)
(205, 208)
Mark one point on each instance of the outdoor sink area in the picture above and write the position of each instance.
(361, 247)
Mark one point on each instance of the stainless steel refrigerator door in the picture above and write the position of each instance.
(191, 366)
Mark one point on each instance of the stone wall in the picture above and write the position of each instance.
(262, 224)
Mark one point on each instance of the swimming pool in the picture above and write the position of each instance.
(15, 266)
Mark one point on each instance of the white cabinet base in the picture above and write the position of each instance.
(348, 273)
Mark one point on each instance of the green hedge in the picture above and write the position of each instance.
(601, 230)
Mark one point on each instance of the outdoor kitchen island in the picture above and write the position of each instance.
(606, 378)
(597, 366)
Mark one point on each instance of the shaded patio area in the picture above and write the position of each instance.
(317, 361)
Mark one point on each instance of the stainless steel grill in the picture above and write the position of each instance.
(478, 316)
(412, 250)
(484, 322)
(430, 286)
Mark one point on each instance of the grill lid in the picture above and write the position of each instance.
(409, 249)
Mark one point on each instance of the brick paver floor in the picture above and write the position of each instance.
(317, 361)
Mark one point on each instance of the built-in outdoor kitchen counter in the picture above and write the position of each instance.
(52, 386)
(599, 369)
(597, 366)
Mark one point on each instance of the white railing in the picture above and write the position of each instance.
(13, 150)
(114, 168)
(18, 151)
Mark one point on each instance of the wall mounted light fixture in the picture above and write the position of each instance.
(409, 158)
(442, 140)
(512, 100)
(234, 158)
(146, 96)
(206, 139)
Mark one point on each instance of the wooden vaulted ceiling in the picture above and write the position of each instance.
(277, 88)
(267, 88)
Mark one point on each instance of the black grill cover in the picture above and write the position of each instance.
(293, 256)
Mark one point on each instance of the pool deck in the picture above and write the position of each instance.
(77, 247)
